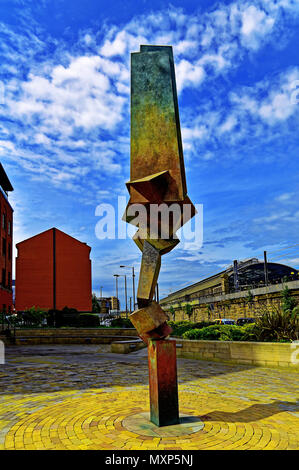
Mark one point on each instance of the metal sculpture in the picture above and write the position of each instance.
(157, 180)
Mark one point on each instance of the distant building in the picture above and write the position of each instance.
(53, 270)
(115, 304)
(108, 304)
(104, 304)
(6, 229)
(226, 294)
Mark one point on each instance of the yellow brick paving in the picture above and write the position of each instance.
(70, 397)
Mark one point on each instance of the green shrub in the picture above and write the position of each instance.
(223, 333)
(95, 304)
(51, 316)
(272, 325)
(180, 327)
(121, 323)
(288, 302)
(65, 317)
(34, 316)
(88, 320)
(172, 312)
(9, 320)
(188, 310)
(250, 332)
(295, 310)
(203, 324)
(278, 324)
(233, 333)
(209, 333)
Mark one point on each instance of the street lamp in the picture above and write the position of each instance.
(133, 278)
(116, 285)
(125, 276)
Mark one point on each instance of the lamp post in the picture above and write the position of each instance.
(125, 276)
(133, 279)
(116, 285)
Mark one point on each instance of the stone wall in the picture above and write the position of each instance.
(234, 305)
(72, 335)
(241, 352)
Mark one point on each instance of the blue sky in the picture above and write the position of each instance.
(64, 123)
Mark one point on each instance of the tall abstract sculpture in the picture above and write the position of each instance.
(158, 186)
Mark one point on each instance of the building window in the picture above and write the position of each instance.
(3, 277)
(9, 251)
(9, 227)
(9, 280)
(4, 246)
(3, 221)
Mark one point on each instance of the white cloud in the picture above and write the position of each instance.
(255, 24)
(79, 93)
(277, 106)
(122, 42)
(42, 139)
(194, 132)
(208, 156)
(278, 217)
(188, 74)
(285, 197)
(228, 125)
(6, 146)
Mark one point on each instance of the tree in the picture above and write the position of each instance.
(249, 298)
(288, 302)
(95, 304)
(188, 310)
(172, 312)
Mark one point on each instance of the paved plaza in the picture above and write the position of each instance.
(84, 397)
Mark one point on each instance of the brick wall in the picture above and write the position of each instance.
(73, 273)
(53, 270)
(6, 231)
(34, 272)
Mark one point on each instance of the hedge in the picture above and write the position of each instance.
(223, 333)
(180, 327)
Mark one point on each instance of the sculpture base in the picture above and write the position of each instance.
(164, 403)
(140, 423)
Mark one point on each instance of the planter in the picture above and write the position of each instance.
(241, 352)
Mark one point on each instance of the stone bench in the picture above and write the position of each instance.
(125, 347)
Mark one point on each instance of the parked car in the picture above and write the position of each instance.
(243, 321)
(224, 321)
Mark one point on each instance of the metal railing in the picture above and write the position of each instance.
(232, 290)
(7, 327)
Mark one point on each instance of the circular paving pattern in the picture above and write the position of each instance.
(105, 420)
(141, 424)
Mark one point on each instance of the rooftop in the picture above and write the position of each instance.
(4, 181)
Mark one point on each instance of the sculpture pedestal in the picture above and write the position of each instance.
(164, 403)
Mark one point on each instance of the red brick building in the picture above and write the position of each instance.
(6, 211)
(53, 270)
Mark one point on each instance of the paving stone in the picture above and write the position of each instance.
(60, 399)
